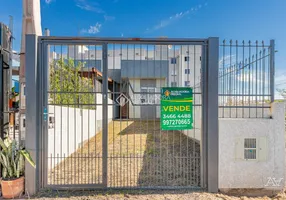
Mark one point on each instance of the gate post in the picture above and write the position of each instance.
(212, 114)
(104, 113)
(32, 115)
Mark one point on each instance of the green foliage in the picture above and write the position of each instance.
(12, 159)
(67, 85)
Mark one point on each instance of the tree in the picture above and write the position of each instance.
(282, 92)
(67, 87)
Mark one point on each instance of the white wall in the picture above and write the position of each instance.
(135, 111)
(73, 126)
(235, 172)
(159, 84)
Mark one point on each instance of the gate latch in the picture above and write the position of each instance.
(45, 114)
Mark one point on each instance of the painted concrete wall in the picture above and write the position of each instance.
(73, 126)
(134, 111)
(235, 172)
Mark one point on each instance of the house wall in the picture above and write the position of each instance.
(73, 127)
(134, 111)
(234, 171)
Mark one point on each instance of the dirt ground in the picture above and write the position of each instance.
(139, 154)
(147, 195)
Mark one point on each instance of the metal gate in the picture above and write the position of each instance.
(99, 113)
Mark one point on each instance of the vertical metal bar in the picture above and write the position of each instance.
(243, 75)
(237, 71)
(140, 155)
(252, 82)
(260, 79)
(128, 111)
(194, 119)
(160, 132)
(249, 74)
(61, 94)
(134, 153)
(74, 107)
(173, 132)
(203, 143)
(104, 113)
(272, 70)
(55, 103)
(120, 113)
(82, 115)
(212, 114)
(256, 76)
(32, 113)
(88, 116)
(43, 74)
(230, 78)
(223, 77)
(96, 174)
(188, 168)
(44, 79)
(167, 149)
(68, 118)
(114, 109)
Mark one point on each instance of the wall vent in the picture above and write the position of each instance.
(250, 149)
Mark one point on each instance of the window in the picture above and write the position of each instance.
(187, 58)
(24, 123)
(148, 95)
(187, 71)
(173, 60)
(24, 91)
(250, 148)
(173, 84)
(187, 83)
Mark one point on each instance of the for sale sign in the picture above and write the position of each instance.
(176, 108)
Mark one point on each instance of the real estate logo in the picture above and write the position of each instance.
(122, 100)
(273, 182)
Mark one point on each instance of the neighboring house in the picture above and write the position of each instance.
(139, 73)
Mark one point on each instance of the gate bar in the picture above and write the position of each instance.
(104, 113)
(115, 39)
(272, 69)
(212, 115)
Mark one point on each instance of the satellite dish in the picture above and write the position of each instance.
(170, 46)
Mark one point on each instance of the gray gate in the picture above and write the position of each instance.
(98, 113)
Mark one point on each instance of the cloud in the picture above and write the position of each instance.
(173, 18)
(48, 1)
(108, 18)
(224, 61)
(86, 5)
(92, 29)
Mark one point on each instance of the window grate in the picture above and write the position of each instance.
(250, 149)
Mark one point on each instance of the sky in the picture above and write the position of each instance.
(227, 19)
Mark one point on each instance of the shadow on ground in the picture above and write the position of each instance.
(139, 155)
